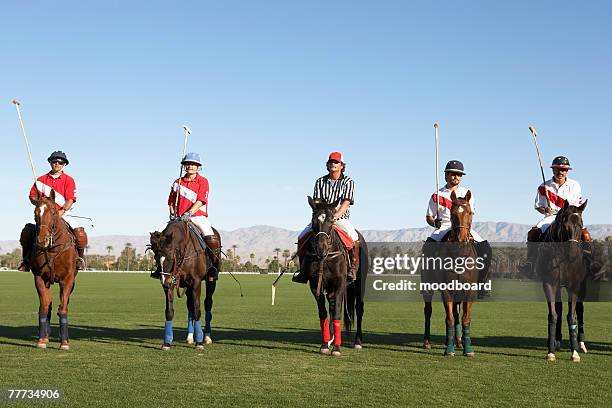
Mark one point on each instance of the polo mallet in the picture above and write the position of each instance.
(23, 132)
(82, 218)
(178, 189)
(280, 275)
(535, 139)
(437, 180)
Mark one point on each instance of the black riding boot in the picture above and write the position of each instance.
(301, 276)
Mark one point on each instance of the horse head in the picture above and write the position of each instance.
(569, 225)
(46, 217)
(322, 225)
(461, 216)
(167, 246)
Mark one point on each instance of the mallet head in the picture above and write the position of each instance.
(16, 102)
(533, 131)
(187, 129)
(436, 125)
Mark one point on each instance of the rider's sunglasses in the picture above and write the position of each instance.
(333, 161)
(58, 162)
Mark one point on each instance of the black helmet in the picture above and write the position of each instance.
(58, 155)
(561, 162)
(454, 166)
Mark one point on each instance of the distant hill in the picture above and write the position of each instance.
(262, 239)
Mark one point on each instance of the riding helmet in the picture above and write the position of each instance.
(561, 162)
(58, 155)
(454, 166)
(192, 158)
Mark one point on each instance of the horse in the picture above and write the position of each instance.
(457, 244)
(184, 264)
(52, 260)
(326, 262)
(560, 263)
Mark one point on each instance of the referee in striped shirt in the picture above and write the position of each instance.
(329, 188)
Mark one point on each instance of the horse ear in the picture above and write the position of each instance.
(311, 203)
(583, 206)
(453, 196)
(52, 195)
(565, 204)
(468, 195)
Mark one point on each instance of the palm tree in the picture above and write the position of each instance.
(286, 255)
(252, 258)
(128, 246)
(109, 248)
(234, 248)
(277, 250)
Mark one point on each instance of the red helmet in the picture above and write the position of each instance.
(337, 156)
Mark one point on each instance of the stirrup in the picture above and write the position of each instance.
(299, 277)
(24, 267)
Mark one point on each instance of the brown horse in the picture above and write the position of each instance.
(561, 263)
(53, 259)
(184, 264)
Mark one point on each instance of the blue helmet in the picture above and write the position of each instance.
(58, 155)
(192, 158)
(454, 166)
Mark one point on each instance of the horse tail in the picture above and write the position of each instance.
(349, 307)
(364, 265)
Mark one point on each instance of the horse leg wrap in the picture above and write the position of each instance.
(168, 332)
(63, 318)
(190, 322)
(337, 333)
(325, 330)
(552, 334)
(466, 339)
(450, 339)
(43, 322)
(207, 320)
(573, 337)
(199, 336)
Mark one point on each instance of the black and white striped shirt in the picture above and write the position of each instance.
(331, 190)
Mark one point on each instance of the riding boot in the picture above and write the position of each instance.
(352, 270)
(28, 235)
(484, 251)
(214, 244)
(528, 268)
(81, 243)
(301, 276)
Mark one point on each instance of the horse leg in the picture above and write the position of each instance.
(359, 309)
(168, 336)
(580, 318)
(559, 327)
(44, 312)
(324, 323)
(335, 311)
(65, 290)
(456, 310)
(427, 314)
(450, 328)
(190, 317)
(573, 328)
(196, 290)
(208, 303)
(466, 320)
(549, 292)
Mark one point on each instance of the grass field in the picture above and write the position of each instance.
(267, 355)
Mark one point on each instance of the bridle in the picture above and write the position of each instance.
(54, 216)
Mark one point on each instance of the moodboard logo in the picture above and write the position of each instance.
(410, 271)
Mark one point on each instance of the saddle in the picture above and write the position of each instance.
(346, 240)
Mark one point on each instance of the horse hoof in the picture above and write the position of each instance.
(449, 354)
(165, 347)
(199, 346)
(336, 351)
(583, 347)
(64, 346)
(458, 345)
(551, 357)
(358, 347)
(41, 345)
(427, 345)
(207, 340)
(325, 350)
(470, 354)
(190, 338)
(575, 357)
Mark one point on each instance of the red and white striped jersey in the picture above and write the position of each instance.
(63, 185)
(446, 203)
(570, 191)
(190, 192)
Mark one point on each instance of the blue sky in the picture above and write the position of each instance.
(270, 88)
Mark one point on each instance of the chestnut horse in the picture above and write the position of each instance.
(326, 263)
(53, 259)
(184, 264)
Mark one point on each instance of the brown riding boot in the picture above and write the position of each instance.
(28, 235)
(81, 243)
(352, 271)
(533, 236)
(214, 244)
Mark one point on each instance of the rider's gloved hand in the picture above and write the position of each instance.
(172, 217)
(186, 216)
(437, 222)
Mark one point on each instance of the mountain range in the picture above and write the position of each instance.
(263, 239)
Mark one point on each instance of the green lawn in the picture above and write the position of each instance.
(267, 355)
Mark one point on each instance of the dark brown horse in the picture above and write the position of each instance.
(53, 260)
(184, 264)
(561, 264)
(326, 262)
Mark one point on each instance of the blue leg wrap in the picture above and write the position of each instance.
(450, 339)
(199, 336)
(207, 319)
(168, 332)
(42, 325)
(63, 327)
(466, 339)
(189, 322)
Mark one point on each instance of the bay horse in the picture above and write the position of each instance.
(326, 263)
(560, 263)
(456, 245)
(184, 264)
(53, 260)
